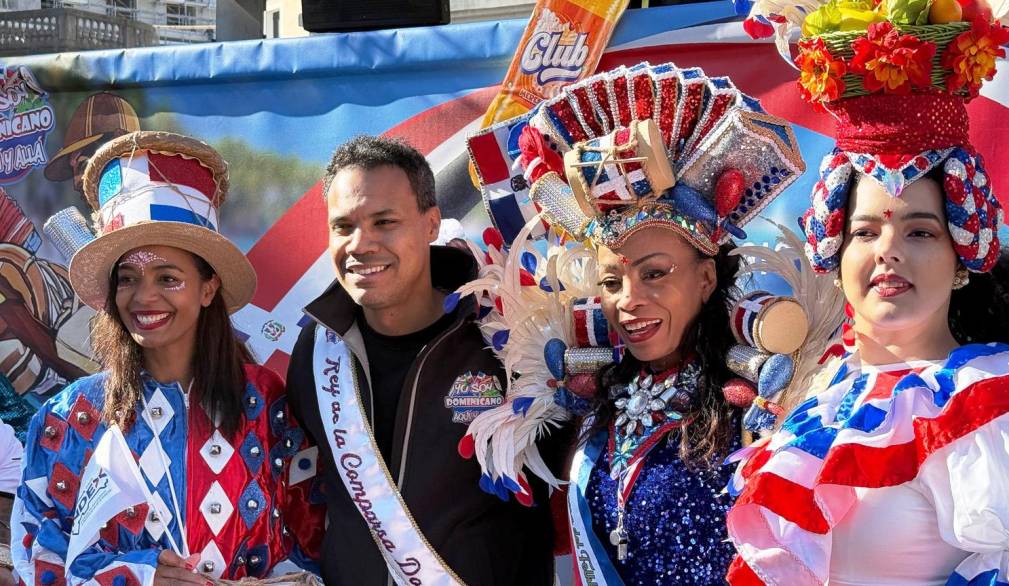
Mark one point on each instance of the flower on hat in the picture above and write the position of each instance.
(891, 61)
(971, 56)
(820, 77)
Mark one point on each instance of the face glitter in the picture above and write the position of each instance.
(140, 259)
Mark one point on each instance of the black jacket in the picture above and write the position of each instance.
(484, 540)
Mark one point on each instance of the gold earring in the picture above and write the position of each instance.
(838, 284)
(960, 278)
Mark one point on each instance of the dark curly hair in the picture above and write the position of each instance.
(713, 425)
(369, 152)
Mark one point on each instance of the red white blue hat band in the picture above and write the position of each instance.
(149, 186)
(157, 189)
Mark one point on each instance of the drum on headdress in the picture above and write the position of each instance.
(591, 330)
(771, 323)
(621, 167)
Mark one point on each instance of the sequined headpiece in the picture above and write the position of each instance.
(897, 78)
(638, 147)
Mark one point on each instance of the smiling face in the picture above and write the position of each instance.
(653, 288)
(898, 262)
(379, 238)
(159, 296)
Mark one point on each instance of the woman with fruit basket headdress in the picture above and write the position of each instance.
(651, 170)
(896, 471)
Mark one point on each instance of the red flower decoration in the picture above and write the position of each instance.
(891, 61)
(971, 56)
(820, 77)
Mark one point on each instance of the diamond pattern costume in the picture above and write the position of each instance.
(247, 504)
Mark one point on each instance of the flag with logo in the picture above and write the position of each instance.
(111, 483)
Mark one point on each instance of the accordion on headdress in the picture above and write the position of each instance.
(637, 147)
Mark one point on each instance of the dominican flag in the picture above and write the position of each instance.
(291, 258)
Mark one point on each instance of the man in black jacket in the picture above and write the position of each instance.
(421, 374)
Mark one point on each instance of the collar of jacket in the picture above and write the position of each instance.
(450, 269)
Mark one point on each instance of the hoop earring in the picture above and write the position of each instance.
(960, 278)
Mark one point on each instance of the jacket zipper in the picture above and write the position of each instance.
(425, 352)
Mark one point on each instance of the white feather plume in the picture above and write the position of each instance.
(822, 301)
(505, 441)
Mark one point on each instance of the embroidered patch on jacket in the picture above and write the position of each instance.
(472, 394)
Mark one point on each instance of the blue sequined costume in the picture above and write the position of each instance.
(675, 519)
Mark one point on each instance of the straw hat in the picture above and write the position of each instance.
(158, 188)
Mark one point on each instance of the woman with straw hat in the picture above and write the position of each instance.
(227, 476)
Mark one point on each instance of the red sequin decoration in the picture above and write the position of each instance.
(669, 88)
(588, 113)
(566, 115)
(890, 124)
(598, 89)
(644, 96)
(623, 104)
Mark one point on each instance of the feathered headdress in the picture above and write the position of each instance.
(620, 151)
(897, 76)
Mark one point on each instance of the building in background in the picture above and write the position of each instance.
(282, 18)
(176, 21)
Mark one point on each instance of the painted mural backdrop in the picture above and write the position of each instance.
(275, 110)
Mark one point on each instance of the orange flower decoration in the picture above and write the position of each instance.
(891, 61)
(971, 56)
(820, 78)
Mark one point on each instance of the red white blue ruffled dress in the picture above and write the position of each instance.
(892, 475)
(247, 505)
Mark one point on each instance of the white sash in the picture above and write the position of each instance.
(410, 558)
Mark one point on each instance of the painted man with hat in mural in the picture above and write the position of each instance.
(100, 118)
(43, 328)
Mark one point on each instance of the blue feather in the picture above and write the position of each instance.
(522, 405)
(553, 355)
(499, 339)
(451, 301)
(529, 261)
